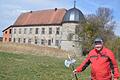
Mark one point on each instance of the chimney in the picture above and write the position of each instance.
(55, 9)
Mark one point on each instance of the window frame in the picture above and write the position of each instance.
(36, 30)
(49, 42)
(57, 43)
(15, 31)
(43, 31)
(30, 30)
(29, 41)
(50, 30)
(25, 30)
(20, 31)
(57, 31)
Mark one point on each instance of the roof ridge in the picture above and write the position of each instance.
(48, 16)
(45, 10)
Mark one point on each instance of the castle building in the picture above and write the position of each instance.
(53, 28)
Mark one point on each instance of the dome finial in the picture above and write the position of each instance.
(74, 3)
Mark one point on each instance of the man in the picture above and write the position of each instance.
(103, 63)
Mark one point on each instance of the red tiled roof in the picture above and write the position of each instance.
(50, 16)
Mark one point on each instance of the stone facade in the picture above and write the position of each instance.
(52, 28)
(70, 41)
(40, 35)
(62, 36)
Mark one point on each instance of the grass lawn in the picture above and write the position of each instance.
(32, 67)
(29, 62)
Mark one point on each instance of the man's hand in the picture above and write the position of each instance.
(75, 74)
(75, 71)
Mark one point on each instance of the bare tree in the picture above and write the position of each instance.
(99, 24)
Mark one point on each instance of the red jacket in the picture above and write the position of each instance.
(102, 64)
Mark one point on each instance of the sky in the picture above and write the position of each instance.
(11, 9)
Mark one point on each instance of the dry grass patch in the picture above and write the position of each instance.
(32, 49)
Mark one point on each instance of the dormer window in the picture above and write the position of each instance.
(72, 17)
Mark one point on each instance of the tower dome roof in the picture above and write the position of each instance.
(73, 15)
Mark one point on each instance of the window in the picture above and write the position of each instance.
(57, 30)
(20, 31)
(13, 39)
(19, 40)
(25, 29)
(14, 31)
(10, 31)
(36, 41)
(29, 41)
(43, 30)
(50, 30)
(57, 43)
(36, 31)
(9, 39)
(77, 29)
(5, 32)
(72, 16)
(24, 40)
(30, 32)
(42, 41)
(49, 42)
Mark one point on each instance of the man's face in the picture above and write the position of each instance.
(98, 45)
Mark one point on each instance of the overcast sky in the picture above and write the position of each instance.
(11, 9)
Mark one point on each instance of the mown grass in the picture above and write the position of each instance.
(31, 67)
(30, 62)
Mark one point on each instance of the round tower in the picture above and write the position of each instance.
(69, 40)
